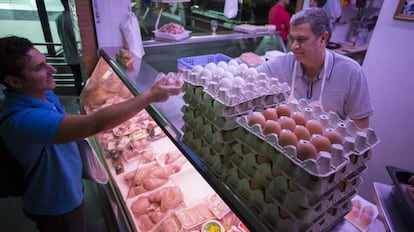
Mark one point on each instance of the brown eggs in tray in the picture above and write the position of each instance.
(302, 126)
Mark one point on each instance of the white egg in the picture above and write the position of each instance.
(238, 81)
(206, 73)
(227, 74)
(251, 71)
(222, 65)
(233, 62)
(232, 69)
(243, 67)
(197, 69)
(211, 66)
(225, 83)
(219, 71)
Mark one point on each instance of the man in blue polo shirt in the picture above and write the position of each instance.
(42, 137)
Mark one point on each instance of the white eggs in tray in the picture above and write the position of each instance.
(225, 83)
(251, 71)
(227, 74)
(238, 81)
(218, 71)
(197, 69)
(233, 69)
(232, 86)
(243, 67)
(233, 63)
(222, 65)
(211, 66)
(206, 73)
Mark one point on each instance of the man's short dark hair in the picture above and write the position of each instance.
(321, 3)
(13, 55)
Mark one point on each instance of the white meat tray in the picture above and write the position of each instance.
(173, 37)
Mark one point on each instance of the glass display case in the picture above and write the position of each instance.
(157, 182)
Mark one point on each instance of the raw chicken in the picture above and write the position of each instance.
(169, 197)
(151, 209)
(170, 224)
(149, 178)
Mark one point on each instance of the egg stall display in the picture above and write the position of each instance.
(216, 94)
(307, 165)
(151, 178)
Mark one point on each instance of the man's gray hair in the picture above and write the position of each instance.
(317, 17)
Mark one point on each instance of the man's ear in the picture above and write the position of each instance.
(13, 81)
(325, 37)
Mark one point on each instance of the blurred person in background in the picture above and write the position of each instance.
(67, 37)
(317, 3)
(279, 17)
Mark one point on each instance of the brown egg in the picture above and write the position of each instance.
(272, 127)
(367, 210)
(321, 143)
(270, 114)
(334, 136)
(306, 150)
(287, 123)
(365, 219)
(314, 127)
(257, 118)
(356, 204)
(299, 118)
(354, 213)
(287, 137)
(283, 110)
(301, 132)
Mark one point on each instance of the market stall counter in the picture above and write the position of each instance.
(168, 131)
(158, 183)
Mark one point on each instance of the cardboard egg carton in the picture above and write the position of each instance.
(357, 142)
(257, 90)
(280, 217)
(302, 204)
(296, 170)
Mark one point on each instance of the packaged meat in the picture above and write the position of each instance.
(172, 31)
(194, 216)
(251, 59)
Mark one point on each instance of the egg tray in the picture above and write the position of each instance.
(360, 142)
(223, 142)
(216, 163)
(262, 170)
(217, 155)
(280, 218)
(202, 101)
(208, 117)
(260, 89)
(303, 205)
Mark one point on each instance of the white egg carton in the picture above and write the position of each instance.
(232, 89)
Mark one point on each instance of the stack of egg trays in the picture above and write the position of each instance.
(276, 215)
(214, 146)
(304, 190)
(304, 205)
(209, 136)
(211, 113)
(315, 175)
(259, 90)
